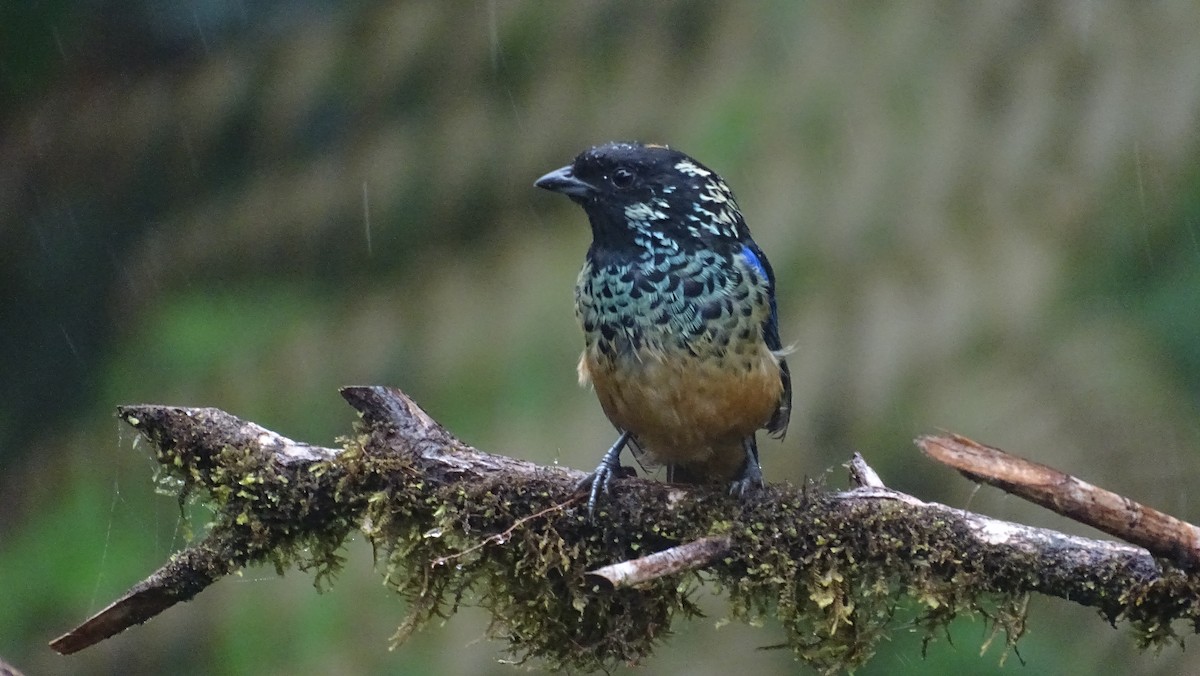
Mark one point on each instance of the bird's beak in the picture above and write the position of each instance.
(564, 181)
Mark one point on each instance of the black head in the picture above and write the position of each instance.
(638, 195)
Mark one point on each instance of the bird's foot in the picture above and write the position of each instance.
(747, 483)
(601, 479)
(751, 478)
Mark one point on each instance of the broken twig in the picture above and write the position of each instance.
(1163, 535)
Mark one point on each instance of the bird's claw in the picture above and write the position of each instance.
(750, 480)
(601, 479)
(610, 464)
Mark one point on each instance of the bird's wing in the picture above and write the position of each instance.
(778, 423)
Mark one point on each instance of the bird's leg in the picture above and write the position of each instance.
(609, 464)
(751, 475)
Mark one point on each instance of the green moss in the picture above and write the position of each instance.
(264, 511)
(834, 597)
(1173, 594)
(441, 543)
(835, 573)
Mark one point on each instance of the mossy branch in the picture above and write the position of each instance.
(449, 522)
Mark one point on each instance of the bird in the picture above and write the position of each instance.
(679, 316)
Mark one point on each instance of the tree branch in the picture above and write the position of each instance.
(832, 566)
(1163, 535)
(690, 556)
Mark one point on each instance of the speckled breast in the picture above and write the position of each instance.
(674, 349)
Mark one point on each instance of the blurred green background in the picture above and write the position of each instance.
(985, 218)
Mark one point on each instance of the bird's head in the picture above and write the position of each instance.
(647, 197)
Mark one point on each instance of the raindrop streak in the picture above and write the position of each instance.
(494, 43)
(193, 163)
(41, 238)
(367, 217)
(112, 511)
(971, 496)
(70, 343)
(58, 43)
(1137, 162)
(494, 35)
(200, 31)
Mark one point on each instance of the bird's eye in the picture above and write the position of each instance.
(622, 177)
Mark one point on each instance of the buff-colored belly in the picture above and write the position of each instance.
(688, 412)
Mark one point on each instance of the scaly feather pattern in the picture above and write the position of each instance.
(677, 305)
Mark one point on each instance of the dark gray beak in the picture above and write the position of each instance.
(564, 181)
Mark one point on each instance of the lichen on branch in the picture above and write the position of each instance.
(453, 525)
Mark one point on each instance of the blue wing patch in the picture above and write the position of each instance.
(752, 259)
